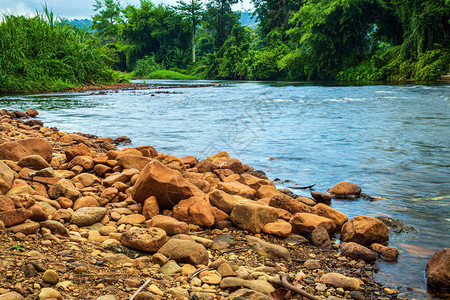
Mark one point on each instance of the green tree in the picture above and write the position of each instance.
(193, 12)
(107, 20)
(221, 19)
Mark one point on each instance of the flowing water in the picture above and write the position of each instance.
(392, 140)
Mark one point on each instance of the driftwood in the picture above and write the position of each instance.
(302, 187)
(285, 283)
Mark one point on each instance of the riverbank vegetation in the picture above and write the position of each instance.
(364, 40)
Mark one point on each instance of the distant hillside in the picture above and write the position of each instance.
(247, 19)
(83, 23)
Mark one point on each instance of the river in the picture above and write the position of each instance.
(392, 140)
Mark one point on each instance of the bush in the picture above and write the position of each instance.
(146, 66)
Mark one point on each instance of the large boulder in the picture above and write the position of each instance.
(34, 161)
(306, 223)
(438, 269)
(15, 216)
(365, 231)
(345, 190)
(223, 201)
(6, 177)
(167, 185)
(290, 204)
(183, 250)
(252, 216)
(16, 150)
(195, 210)
(130, 161)
(144, 239)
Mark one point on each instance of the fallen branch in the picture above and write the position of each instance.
(140, 289)
(198, 271)
(302, 187)
(285, 283)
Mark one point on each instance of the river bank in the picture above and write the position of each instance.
(89, 174)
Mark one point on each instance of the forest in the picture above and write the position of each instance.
(310, 40)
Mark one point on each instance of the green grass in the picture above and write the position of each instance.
(165, 74)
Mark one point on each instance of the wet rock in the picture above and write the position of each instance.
(357, 295)
(222, 200)
(195, 210)
(170, 225)
(14, 217)
(144, 239)
(185, 251)
(321, 197)
(252, 217)
(167, 185)
(256, 285)
(358, 251)
(324, 210)
(87, 216)
(396, 225)
(267, 249)
(345, 189)
(35, 162)
(290, 204)
(387, 253)
(16, 150)
(279, 228)
(341, 281)
(64, 188)
(50, 276)
(304, 223)
(365, 231)
(31, 112)
(49, 293)
(320, 238)
(438, 269)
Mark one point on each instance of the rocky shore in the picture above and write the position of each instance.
(81, 219)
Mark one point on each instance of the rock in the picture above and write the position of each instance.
(35, 162)
(195, 210)
(321, 197)
(358, 251)
(64, 188)
(145, 296)
(225, 270)
(130, 161)
(31, 112)
(118, 259)
(249, 295)
(55, 227)
(438, 269)
(290, 204)
(252, 217)
(312, 264)
(211, 278)
(49, 293)
(304, 223)
(223, 201)
(338, 280)
(15, 216)
(86, 179)
(365, 231)
(16, 150)
(267, 249)
(226, 163)
(254, 182)
(185, 251)
(170, 268)
(189, 160)
(87, 201)
(223, 241)
(357, 295)
(279, 228)
(11, 296)
(387, 253)
(170, 225)
(6, 177)
(77, 150)
(6, 203)
(237, 188)
(321, 239)
(84, 161)
(345, 189)
(107, 297)
(26, 228)
(50, 276)
(144, 239)
(150, 207)
(167, 185)
(267, 191)
(396, 225)
(324, 210)
(132, 219)
(295, 239)
(256, 285)
(87, 216)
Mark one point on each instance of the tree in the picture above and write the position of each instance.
(192, 11)
(221, 20)
(108, 19)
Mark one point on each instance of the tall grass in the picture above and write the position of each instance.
(43, 54)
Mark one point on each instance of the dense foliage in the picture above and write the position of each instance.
(39, 54)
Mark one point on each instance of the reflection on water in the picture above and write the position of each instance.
(393, 141)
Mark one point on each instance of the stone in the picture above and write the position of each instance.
(167, 185)
(237, 188)
(26, 228)
(279, 228)
(295, 239)
(87, 216)
(249, 295)
(16, 150)
(107, 297)
(225, 270)
(312, 264)
(64, 188)
(267, 249)
(321, 197)
(11, 296)
(144, 239)
(290, 204)
(223, 241)
(227, 163)
(87, 201)
(130, 161)
(170, 225)
(50, 276)
(6, 177)
(35, 162)
(150, 207)
(321, 239)
(222, 200)
(357, 295)
(324, 210)
(358, 251)
(254, 182)
(84, 161)
(338, 280)
(256, 285)
(252, 217)
(305, 223)
(6, 203)
(195, 210)
(49, 293)
(55, 227)
(345, 189)
(15, 216)
(170, 268)
(365, 231)
(387, 253)
(86, 179)
(437, 270)
(119, 259)
(185, 251)
(267, 191)
(132, 219)
(77, 150)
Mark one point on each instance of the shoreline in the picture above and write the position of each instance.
(296, 256)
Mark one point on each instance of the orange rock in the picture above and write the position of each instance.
(325, 211)
(16, 150)
(170, 225)
(290, 204)
(222, 200)
(87, 162)
(15, 216)
(77, 150)
(195, 210)
(267, 191)
(279, 228)
(150, 207)
(237, 188)
(365, 231)
(305, 222)
(130, 161)
(87, 201)
(6, 203)
(254, 182)
(189, 160)
(345, 189)
(252, 217)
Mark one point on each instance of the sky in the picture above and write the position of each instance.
(75, 9)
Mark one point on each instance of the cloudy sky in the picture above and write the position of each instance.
(75, 9)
